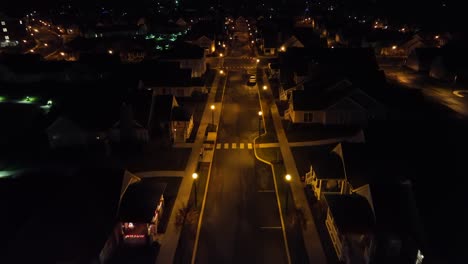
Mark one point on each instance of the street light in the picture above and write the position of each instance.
(288, 180)
(260, 113)
(264, 87)
(258, 60)
(195, 177)
(221, 55)
(110, 51)
(221, 72)
(212, 113)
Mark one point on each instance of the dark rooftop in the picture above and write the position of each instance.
(67, 216)
(351, 213)
(140, 200)
(328, 166)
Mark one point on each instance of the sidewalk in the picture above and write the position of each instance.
(171, 237)
(312, 240)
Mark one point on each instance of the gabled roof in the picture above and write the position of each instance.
(44, 204)
(351, 213)
(140, 200)
(307, 100)
(328, 165)
(184, 51)
(162, 107)
(180, 114)
(394, 207)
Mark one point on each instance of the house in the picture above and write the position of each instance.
(189, 56)
(203, 35)
(451, 66)
(420, 60)
(87, 122)
(300, 38)
(170, 119)
(398, 234)
(326, 175)
(177, 82)
(135, 119)
(140, 211)
(339, 104)
(269, 44)
(350, 223)
(13, 32)
(73, 218)
(334, 63)
(208, 44)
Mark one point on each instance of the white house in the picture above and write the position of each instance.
(350, 223)
(340, 104)
(327, 175)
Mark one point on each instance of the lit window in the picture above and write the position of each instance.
(7, 37)
(3, 23)
(5, 30)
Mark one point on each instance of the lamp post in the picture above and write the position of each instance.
(259, 122)
(212, 113)
(265, 87)
(288, 180)
(195, 177)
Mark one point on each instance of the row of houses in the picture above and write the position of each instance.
(101, 212)
(369, 218)
(328, 87)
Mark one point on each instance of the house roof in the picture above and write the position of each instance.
(169, 78)
(358, 162)
(307, 37)
(184, 51)
(162, 107)
(308, 100)
(180, 114)
(395, 209)
(43, 205)
(140, 200)
(351, 213)
(328, 165)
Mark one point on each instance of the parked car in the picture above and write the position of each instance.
(252, 80)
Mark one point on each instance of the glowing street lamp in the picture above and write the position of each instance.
(195, 177)
(221, 55)
(258, 60)
(283, 48)
(288, 187)
(394, 47)
(110, 51)
(265, 87)
(212, 113)
(260, 114)
(221, 72)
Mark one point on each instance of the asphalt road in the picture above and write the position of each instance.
(47, 41)
(241, 221)
(434, 90)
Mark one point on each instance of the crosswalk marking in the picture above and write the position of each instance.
(234, 145)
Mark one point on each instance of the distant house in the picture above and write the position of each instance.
(269, 43)
(350, 223)
(189, 56)
(140, 211)
(398, 229)
(421, 59)
(451, 66)
(171, 119)
(208, 44)
(340, 104)
(301, 38)
(86, 197)
(177, 82)
(94, 122)
(134, 122)
(181, 23)
(327, 175)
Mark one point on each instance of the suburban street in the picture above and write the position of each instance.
(47, 41)
(241, 222)
(437, 91)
